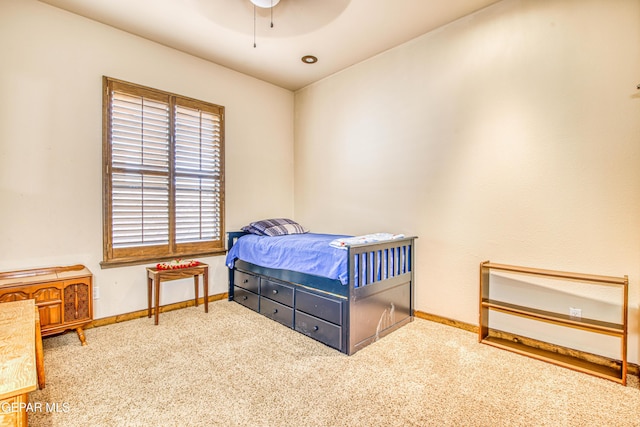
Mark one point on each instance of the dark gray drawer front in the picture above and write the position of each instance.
(246, 298)
(277, 292)
(276, 311)
(319, 306)
(247, 281)
(325, 332)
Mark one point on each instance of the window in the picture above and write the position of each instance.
(163, 175)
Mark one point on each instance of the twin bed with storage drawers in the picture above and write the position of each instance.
(371, 298)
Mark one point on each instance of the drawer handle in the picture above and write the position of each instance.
(245, 281)
(275, 310)
(244, 298)
(275, 291)
(315, 328)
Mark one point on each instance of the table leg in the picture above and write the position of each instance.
(157, 290)
(195, 283)
(205, 285)
(149, 292)
(39, 353)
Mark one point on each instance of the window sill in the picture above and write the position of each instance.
(138, 261)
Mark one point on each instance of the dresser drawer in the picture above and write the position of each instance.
(277, 292)
(276, 311)
(322, 307)
(246, 298)
(318, 329)
(247, 281)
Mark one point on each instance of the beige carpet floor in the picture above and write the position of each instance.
(233, 367)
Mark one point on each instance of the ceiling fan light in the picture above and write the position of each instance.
(266, 4)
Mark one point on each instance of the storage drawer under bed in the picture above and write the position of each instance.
(318, 329)
(276, 311)
(247, 281)
(246, 298)
(328, 309)
(276, 291)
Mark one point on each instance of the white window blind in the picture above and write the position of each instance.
(140, 171)
(198, 172)
(164, 175)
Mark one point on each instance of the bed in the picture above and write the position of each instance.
(369, 295)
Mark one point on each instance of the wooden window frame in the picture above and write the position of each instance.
(119, 256)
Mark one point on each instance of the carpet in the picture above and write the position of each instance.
(234, 367)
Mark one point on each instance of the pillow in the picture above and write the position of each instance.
(250, 229)
(274, 227)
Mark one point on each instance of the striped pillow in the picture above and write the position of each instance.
(275, 227)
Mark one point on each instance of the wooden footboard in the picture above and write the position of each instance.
(381, 290)
(378, 299)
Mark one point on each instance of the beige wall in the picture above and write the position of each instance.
(511, 135)
(51, 143)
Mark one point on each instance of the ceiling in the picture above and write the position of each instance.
(339, 33)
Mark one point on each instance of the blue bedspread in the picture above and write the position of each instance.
(308, 253)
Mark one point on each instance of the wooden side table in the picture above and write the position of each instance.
(156, 276)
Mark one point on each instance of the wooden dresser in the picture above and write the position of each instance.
(21, 360)
(63, 295)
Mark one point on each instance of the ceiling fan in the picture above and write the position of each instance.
(270, 4)
(291, 18)
(265, 4)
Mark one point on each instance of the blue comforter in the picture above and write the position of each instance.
(308, 253)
